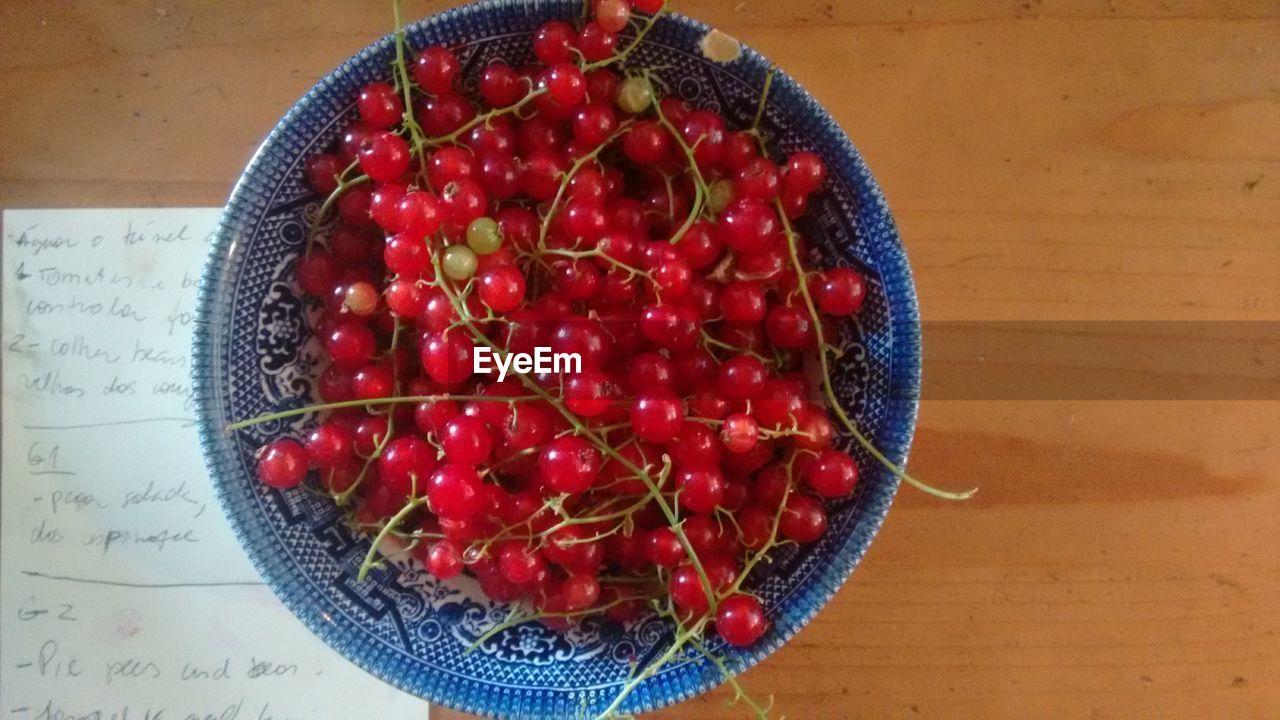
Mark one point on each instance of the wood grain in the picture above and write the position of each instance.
(1083, 160)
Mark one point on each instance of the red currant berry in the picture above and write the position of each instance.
(789, 326)
(839, 292)
(444, 559)
(384, 205)
(322, 173)
(603, 86)
(447, 357)
(444, 114)
(805, 173)
(500, 176)
(496, 136)
(593, 124)
(569, 465)
(663, 548)
(463, 201)
(565, 83)
(803, 520)
(583, 337)
(650, 370)
(833, 474)
(657, 415)
(742, 377)
(580, 591)
(519, 563)
(759, 180)
(317, 273)
(451, 164)
(502, 288)
(404, 298)
(379, 105)
(701, 490)
(647, 143)
(670, 326)
(672, 279)
(350, 345)
(701, 245)
(695, 448)
(740, 433)
(750, 227)
(282, 464)
(743, 302)
(706, 402)
(466, 441)
(795, 206)
(739, 150)
(330, 444)
(571, 548)
(435, 70)
(613, 15)
(554, 42)
(431, 416)
(740, 620)
(779, 404)
(815, 429)
(540, 177)
(373, 382)
(420, 214)
(500, 86)
(384, 156)
(687, 592)
(588, 393)
(597, 43)
(371, 433)
(704, 131)
(405, 465)
(454, 492)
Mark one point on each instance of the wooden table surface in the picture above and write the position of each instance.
(1086, 160)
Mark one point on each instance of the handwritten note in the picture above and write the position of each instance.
(123, 593)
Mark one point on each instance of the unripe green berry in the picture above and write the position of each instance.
(459, 262)
(720, 195)
(483, 236)
(636, 95)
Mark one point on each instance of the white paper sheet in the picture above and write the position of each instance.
(123, 593)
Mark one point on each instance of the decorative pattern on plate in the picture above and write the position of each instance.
(251, 356)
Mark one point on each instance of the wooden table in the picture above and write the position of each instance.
(1047, 161)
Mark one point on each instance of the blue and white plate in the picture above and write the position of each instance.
(252, 355)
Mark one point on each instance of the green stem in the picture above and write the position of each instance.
(344, 184)
(772, 542)
(242, 424)
(406, 87)
(395, 521)
(568, 177)
(475, 122)
(740, 694)
(682, 638)
(764, 99)
(592, 254)
(699, 183)
(829, 391)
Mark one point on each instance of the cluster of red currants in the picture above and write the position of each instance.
(575, 209)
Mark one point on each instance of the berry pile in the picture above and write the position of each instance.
(572, 206)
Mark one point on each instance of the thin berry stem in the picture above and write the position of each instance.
(829, 391)
(268, 417)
